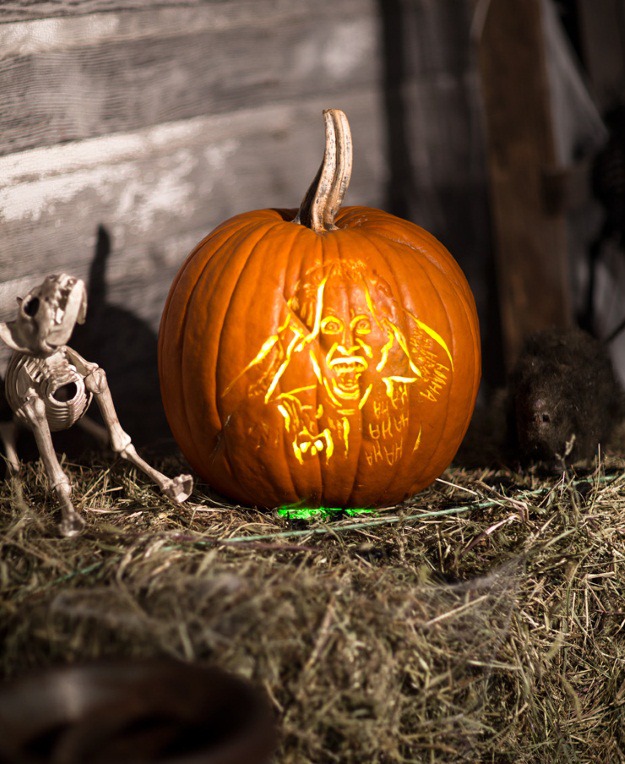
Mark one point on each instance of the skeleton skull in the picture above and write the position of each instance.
(46, 316)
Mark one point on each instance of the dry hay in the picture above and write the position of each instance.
(483, 621)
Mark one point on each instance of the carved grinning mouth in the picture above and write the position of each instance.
(348, 365)
(347, 370)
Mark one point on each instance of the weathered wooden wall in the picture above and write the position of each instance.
(128, 129)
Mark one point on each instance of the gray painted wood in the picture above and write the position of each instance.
(532, 255)
(133, 69)
(21, 10)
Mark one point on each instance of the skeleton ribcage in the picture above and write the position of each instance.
(55, 381)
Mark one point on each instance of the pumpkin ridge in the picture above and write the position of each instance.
(339, 256)
(474, 386)
(359, 465)
(475, 335)
(434, 455)
(188, 400)
(181, 417)
(433, 288)
(399, 297)
(377, 226)
(304, 267)
(220, 253)
(433, 243)
(293, 250)
(349, 501)
(252, 254)
(418, 255)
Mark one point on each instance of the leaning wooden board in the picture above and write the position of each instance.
(530, 237)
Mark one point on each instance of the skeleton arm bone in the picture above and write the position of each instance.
(179, 488)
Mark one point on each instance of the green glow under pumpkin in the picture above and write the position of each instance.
(320, 513)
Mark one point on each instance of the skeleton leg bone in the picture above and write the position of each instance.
(8, 436)
(179, 488)
(34, 410)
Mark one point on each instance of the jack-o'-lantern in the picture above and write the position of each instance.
(325, 356)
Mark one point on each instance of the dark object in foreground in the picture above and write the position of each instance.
(564, 398)
(134, 711)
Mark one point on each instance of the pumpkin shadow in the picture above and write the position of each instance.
(125, 346)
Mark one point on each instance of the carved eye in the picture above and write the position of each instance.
(331, 325)
(30, 306)
(361, 325)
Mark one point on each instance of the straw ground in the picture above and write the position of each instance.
(483, 621)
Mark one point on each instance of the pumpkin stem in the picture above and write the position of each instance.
(323, 199)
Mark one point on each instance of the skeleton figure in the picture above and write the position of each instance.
(49, 387)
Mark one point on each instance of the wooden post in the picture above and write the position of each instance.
(529, 221)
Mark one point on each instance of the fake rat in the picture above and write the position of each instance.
(564, 398)
(49, 387)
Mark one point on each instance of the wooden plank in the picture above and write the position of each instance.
(432, 99)
(20, 10)
(444, 147)
(203, 62)
(150, 20)
(530, 238)
(436, 148)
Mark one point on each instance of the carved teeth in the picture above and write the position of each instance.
(348, 365)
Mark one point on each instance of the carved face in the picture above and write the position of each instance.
(46, 316)
(351, 339)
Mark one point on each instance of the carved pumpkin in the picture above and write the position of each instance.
(324, 356)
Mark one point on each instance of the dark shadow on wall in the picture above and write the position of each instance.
(126, 348)
(416, 48)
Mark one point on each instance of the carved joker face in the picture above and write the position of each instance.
(351, 339)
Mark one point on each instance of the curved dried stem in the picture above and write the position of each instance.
(323, 199)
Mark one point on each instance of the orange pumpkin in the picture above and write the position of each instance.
(324, 356)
